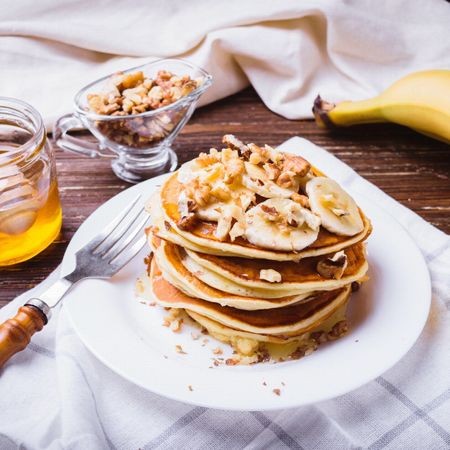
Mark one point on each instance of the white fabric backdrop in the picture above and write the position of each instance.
(288, 49)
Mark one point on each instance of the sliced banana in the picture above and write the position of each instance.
(337, 210)
(192, 169)
(256, 180)
(281, 224)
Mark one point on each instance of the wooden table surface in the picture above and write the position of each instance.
(410, 167)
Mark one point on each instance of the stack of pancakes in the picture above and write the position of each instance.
(259, 248)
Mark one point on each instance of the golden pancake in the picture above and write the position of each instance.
(169, 262)
(288, 321)
(254, 347)
(228, 335)
(300, 275)
(203, 233)
(169, 259)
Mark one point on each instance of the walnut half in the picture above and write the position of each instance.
(334, 267)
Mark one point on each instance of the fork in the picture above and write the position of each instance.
(102, 257)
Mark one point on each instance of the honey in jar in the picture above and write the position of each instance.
(30, 210)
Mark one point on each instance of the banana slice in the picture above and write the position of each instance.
(337, 210)
(256, 180)
(281, 224)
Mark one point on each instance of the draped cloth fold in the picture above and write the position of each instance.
(288, 50)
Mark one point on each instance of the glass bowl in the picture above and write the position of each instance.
(138, 144)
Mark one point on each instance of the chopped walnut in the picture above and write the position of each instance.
(234, 143)
(137, 90)
(319, 336)
(296, 164)
(237, 230)
(134, 93)
(223, 227)
(221, 191)
(334, 267)
(179, 349)
(269, 210)
(233, 169)
(176, 325)
(302, 200)
(188, 222)
(231, 362)
(202, 194)
(276, 391)
(270, 275)
(185, 205)
(207, 159)
(255, 158)
(286, 179)
(338, 330)
(273, 172)
(217, 351)
(263, 154)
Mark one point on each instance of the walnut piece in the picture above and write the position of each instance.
(273, 172)
(234, 143)
(234, 168)
(302, 200)
(188, 222)
(270, 275)
(179, 349)
(286, 179)
(338, 330)
(269, 210)
(334, 267)
(296, 164)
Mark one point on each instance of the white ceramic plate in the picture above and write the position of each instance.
(386, 317)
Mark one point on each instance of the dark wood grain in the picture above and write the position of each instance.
(412, 168)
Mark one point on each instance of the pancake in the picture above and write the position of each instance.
(252, 347)
(217, 288)
(302, 275)
(288, 321)
(258, 248)
(169, 261)
(228, 335)
(203, 233)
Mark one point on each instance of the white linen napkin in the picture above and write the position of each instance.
(288, 50)
(56, 395)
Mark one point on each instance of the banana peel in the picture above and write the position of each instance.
(420, 101)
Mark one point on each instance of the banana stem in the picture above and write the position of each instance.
(330, 115)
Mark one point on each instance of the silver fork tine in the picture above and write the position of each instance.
(130, 253)
(106, 232)
(117, 234)
(131, 233)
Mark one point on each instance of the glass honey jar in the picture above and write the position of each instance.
(30, 210)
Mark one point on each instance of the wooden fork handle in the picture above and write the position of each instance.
(15, 334)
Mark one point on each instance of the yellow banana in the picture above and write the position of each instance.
(420, 101)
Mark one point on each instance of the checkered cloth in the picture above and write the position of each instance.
(56, 395)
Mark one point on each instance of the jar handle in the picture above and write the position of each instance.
(73, 144)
